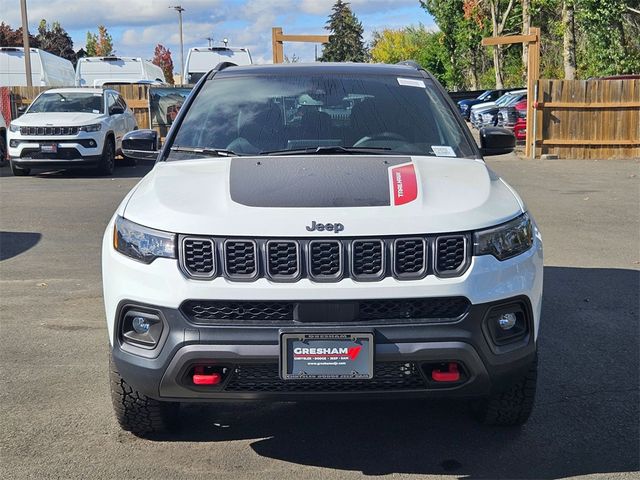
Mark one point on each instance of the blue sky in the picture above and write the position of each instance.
(138, 25)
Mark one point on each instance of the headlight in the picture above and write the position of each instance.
(14, 128)
(90, 128)
(142, 243)
(505, 241)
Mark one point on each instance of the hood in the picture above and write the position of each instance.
(469, 101)
(288, 196)
(483, 106)
(70, 119)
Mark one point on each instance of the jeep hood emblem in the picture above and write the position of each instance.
(325, 227)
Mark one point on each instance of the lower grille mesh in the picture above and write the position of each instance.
(411, 309)
(266, 378)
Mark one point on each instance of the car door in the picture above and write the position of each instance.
(130, 118)
(116, 120)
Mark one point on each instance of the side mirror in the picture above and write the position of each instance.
(116, 110)
(22, 109)
(141, 145)
(496, 141)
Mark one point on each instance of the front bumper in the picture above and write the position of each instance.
(81, 150)
(242, 348)
(250, 358)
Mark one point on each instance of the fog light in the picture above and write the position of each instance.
(507, 321)
(141, 328)
(141, 324)
(92, 143)
(14, 143)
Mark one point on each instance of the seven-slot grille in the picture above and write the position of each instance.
(48, 130)
(366, 259)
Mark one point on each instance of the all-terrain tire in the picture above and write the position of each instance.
(19, 171)
(137, 413)
(108, 159)
(512, 405)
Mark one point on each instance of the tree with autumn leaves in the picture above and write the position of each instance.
(162, 58)
(99, 44)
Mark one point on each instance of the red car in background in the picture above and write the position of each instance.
(515, 118)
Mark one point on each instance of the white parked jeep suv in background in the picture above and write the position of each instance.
(321, 231)
(70, 127)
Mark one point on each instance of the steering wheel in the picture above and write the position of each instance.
(378, 137)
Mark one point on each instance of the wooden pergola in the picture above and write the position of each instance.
(533, 74)
(277, 39)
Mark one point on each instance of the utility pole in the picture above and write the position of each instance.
(179, 9)
(25, 42)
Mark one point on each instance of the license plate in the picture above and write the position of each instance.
(328, 356)
(49, 147)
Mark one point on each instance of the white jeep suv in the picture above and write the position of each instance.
(70, 127)
(321, 231)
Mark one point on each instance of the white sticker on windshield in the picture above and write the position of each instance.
(96, 111)
(443, 151)
(411, 82)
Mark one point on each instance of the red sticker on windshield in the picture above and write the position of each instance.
(404, 184)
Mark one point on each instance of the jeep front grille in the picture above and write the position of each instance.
(326, 259)
(49, 131)
(424, 310)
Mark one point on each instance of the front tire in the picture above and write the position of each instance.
(108, 159)
(512, 405)
(141, 415)
(19, 171)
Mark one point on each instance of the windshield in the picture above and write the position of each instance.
(505, 99)
(67, 102)
(276, 113)
(485, 94)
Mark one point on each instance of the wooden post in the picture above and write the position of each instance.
(278, 49)
(278, 38)
(533, 74)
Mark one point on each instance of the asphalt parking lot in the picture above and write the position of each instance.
(56, 419)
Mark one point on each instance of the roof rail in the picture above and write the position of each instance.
(222, 65)
(410, 63)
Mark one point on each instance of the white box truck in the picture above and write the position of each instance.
(47, 70)
(202, 59)
(101, 71)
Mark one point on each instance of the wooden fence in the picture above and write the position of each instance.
(583, 119)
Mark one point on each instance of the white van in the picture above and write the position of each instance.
(101, 71)
(47, 70)
(202, 59)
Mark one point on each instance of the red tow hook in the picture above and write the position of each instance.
(450, 375)
(202, 378)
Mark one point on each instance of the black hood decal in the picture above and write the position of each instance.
(307, 182)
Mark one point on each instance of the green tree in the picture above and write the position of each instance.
(411, 43)
(99, 44)
(54, 39)
(345, 40)
(608, 47)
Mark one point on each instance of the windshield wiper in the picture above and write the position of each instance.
(209, 152)
(330, 150)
